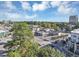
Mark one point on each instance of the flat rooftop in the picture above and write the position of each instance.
(75, 31)
(1, 31)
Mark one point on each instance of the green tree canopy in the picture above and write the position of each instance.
(24, 45)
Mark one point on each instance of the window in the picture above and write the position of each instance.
(74, 35)
(78, 37)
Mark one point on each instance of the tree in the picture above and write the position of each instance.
(22, 37)
(48, 51)
(31, 49)
(24, 45)
(14, 53)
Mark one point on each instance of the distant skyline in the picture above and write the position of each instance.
(52, 11)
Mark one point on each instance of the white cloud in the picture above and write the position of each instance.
(30, 17)
(9, 5)
(66, 4)
(55, 3)
(41, 6)
(46, 3)
(75, 2)
(17, 16)
(64, 8)
(25, 5)
(13, 15)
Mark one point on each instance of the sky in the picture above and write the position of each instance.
(52, 11)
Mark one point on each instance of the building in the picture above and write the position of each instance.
(73, 19)
(75, 35)
(3, 33)
(73, 43)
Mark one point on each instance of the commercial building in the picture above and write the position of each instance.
(73, 19)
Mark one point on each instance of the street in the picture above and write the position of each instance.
(46, 40)
(59, 45)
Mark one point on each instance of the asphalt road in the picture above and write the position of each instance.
(46, 40)
(58, 45)
(43, 40)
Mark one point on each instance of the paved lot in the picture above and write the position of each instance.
(43, 40)
(46, 40)
(58, 45)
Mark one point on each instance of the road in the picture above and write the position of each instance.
(41, 40)
(46, 40)
(58, 45)
(3, 41)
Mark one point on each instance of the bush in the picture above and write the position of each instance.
(49, 52)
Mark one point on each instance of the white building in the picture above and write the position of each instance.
(74, 41)
(3, 33)
(48, 29)
(75, 36)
